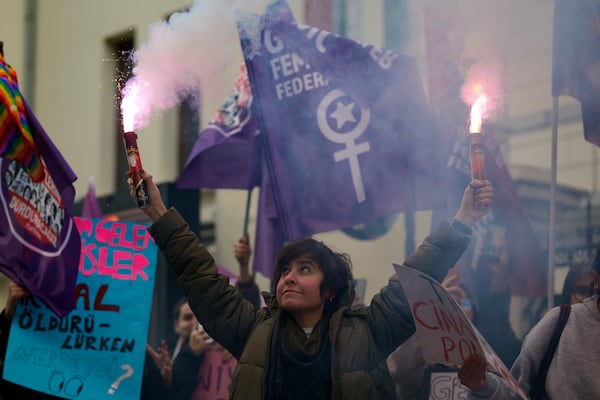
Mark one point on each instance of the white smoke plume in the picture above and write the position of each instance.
(187, 54)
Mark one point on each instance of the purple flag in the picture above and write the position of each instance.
(91, 207)
(224, 271)
(40, 245)
(576, 59)
(226, 154)
(269, 238)
(528, 274)
(529, 267)
(346, 128)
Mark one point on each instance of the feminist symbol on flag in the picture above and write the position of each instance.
(342, 115)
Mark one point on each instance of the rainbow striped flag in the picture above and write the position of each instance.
(16, 140)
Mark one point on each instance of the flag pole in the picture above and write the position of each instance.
(247, 213)
(552, 216)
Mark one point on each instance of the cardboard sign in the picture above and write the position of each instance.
(214, 376)
(97, 350)
(449, 335)
(446, 385)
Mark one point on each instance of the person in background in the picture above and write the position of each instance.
(572, 373)
(9, 390)
(216, 371)
(245, 282)
(179, 370)
(406, 364)
(152, 381)
(578, 285)
(493, 295)
(307, 342)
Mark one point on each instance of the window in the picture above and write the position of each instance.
(347, 18)
(122, 48)
(318, 13)
(396, 22)
(188, 130)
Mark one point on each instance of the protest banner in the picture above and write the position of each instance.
(449, 335)
(96, 351)
(226, 154)
(39, 245)
(442, 382)
(350, 146)
(215, 375)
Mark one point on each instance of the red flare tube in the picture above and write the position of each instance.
(477, 159)
(135, 166)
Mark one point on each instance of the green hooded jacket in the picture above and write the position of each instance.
(360, 339)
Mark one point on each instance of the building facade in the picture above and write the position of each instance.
(71, 57)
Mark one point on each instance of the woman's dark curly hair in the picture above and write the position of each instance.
(336, 267)
(177, 308)
(576, 273)
(596, 262)
(596, 269)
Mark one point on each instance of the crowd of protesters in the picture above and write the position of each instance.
(308, 341)
(312, 339)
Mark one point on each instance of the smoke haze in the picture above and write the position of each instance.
(187, 55)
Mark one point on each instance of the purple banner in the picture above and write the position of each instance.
(576, 59)
(91, 207)
(39, 244)
(347, 131)
(528, 275)
(269, 235)
(227, 153)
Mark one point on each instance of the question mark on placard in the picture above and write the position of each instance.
(115, 385)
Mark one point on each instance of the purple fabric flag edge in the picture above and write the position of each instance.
(576, 60)
(281, 186)
(54, 280)
(226, 154)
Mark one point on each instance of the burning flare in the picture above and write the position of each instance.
(129, 106)
(129, 110)
(478, 110)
